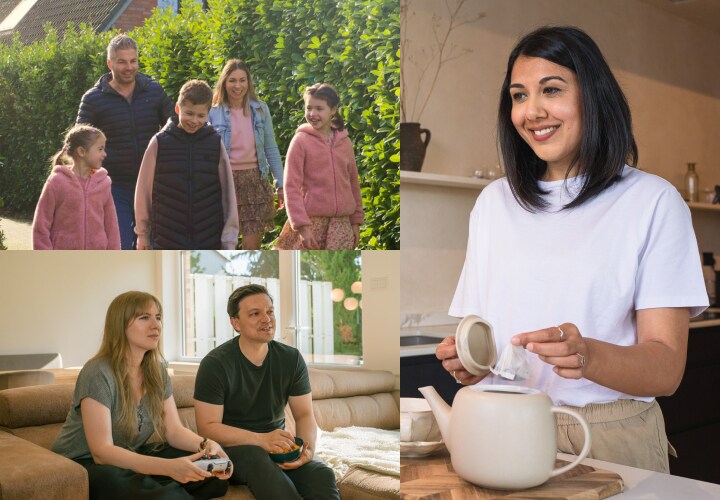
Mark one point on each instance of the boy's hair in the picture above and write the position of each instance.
(327, 93)
(195, 92)
(120, 42)
(77, 136)
(233, 305)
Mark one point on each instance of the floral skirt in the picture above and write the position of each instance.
(331, 233)
(255, 201)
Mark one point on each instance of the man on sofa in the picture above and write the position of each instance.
(241, 390)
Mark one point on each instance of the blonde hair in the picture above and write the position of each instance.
(220, 94)
(123, 310)
(77, 136)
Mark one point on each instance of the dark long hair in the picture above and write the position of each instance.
(327, 93)
(607, 141)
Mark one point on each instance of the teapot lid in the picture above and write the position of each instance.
(475, 344)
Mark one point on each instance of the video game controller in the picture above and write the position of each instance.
(214, 464)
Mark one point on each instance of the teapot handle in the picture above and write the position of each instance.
(586, 446)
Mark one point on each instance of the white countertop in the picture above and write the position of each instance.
(647, 485)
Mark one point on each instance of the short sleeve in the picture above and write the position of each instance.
(96, 383)
(669, 269)
(167, 381)
(301, 381)
(210, 382)
(467, 299)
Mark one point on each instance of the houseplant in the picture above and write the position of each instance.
(426, 61)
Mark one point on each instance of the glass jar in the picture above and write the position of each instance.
(691, 184)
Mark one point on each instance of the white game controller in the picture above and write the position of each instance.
(214, 465)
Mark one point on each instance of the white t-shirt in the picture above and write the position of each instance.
(631, 247)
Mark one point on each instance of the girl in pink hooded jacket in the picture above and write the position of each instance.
(75, 210)
(322, 189)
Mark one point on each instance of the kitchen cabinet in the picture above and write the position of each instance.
(692, 414)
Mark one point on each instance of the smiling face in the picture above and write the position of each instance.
(143, 332)
(191, 116)
(255, 320)
(95, 155)
(124, 66)
(319, 114)
(547, 112)
(236, 86)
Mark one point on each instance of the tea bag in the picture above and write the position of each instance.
(512, 364)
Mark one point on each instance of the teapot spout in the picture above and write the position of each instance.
(441, 410)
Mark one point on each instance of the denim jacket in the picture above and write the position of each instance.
(268, 154)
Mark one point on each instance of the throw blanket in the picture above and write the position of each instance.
(366, 447)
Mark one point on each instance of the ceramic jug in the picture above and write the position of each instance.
(413, 146)
(502, 436)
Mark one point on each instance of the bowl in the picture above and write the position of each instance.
(290, 455)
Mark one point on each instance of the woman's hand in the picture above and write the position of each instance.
(301, 460)
(212, 449)
(356, 235)
(281, 198)
(562, 346)
(183, 470)
(277, 441)
(307, 238)
(447, 352)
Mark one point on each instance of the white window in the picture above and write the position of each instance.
(317, 298)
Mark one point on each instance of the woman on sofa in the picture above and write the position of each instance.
(123, 426)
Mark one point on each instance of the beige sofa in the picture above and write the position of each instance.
(31, 418)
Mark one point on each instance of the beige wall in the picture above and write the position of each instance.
(56, 301)
(667, 67)
(381, 311)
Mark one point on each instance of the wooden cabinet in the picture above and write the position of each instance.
(692, 414)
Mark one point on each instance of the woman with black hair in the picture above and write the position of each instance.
(577, 238)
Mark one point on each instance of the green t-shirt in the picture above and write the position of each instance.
(97, 381)
(254, 397)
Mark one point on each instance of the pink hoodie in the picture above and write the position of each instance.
(75, 215)
(321, 180)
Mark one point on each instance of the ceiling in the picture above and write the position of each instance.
(705, 13)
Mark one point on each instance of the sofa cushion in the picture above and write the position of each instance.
(53, 478)
(36, 405)
(351, 382)
(377, 410)
(24, 378)
(361, 484)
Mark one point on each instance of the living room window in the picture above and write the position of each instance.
(317, 297)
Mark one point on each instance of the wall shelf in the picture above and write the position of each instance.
(704, 206)
(455, 181)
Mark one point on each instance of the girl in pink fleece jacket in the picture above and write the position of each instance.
(322, 189)
(75, 210)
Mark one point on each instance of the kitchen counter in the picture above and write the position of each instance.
(442, 331)
(647, 485)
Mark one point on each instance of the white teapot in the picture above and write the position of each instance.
(502, 436)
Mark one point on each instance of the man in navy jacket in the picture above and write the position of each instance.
(129, 107)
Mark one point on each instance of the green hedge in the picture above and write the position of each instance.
(288, 44)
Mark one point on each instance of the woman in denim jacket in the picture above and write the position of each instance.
(245, 125)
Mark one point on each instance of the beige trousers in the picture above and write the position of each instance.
(626, 432)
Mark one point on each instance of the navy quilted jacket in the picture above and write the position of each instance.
(127, 126)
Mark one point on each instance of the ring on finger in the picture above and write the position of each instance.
(562, 334)
(582, 359)
(457, 380)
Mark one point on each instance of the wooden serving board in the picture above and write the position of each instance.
(433, 478)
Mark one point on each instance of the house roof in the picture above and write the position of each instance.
(100, 14)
